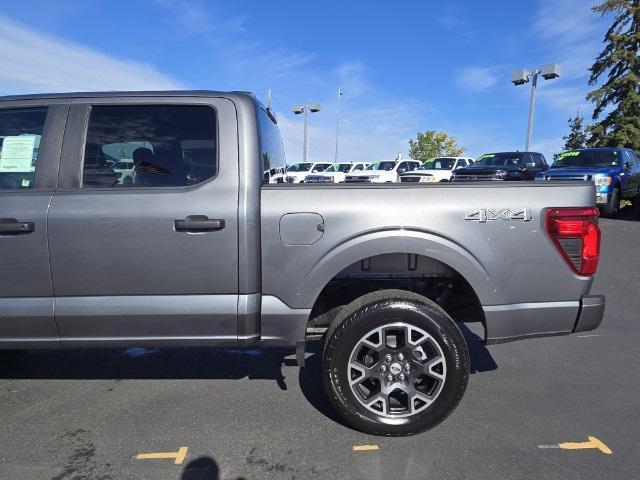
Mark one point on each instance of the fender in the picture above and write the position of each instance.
(399, 240)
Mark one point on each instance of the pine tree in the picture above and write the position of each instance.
(618, 99)
(577, 136)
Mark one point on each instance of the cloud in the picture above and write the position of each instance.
(34, 62)
(476, 79)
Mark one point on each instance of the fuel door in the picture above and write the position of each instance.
(301, 228)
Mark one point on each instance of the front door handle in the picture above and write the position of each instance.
(11, 226)
(198, 223)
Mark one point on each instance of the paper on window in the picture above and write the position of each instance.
(17, 153)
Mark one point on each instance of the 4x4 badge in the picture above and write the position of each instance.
(483, 215)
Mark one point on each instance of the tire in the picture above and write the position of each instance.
(636, 206)
(612, 208)
(426, 348)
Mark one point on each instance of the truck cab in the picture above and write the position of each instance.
(615, 172)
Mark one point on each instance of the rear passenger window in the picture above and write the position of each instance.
(20, 134)
(150, 146)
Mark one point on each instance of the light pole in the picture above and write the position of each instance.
(548, 71)
(335, 159)
(306, 108)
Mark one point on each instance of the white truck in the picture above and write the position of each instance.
(383, 172)
(297, 173)
(337, 172)
(438, 169)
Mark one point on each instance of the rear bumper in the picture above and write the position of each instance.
(506, 323)
(591, 313)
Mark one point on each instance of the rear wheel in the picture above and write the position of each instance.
(394, 363)
(612, 208)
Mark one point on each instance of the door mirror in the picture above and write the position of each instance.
(627, 165)
(401, 170)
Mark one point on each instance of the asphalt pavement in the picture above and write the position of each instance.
(90, 414)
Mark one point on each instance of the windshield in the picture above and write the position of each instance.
(499, 160)
(344, 167)
(438, 164)
(300, 167)
(587, 158)
(382, 166)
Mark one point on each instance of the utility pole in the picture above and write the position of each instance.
(532, 106)
(335, 159)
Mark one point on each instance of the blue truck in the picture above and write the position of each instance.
(615, 172)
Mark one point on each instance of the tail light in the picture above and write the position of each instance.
(576, 235)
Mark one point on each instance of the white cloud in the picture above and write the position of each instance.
(34, 62)
(476, 79)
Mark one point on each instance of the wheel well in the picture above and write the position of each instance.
(405, 271)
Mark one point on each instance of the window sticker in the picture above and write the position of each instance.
(17, 154)
(26, 182)
(486, 155)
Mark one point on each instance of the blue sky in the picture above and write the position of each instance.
(404, 66)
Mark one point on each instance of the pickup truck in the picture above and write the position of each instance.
(615, 172)
(382, 172)
(298, 172)
(199, 251)
(336, 173)
(503, 166)
(438, 169)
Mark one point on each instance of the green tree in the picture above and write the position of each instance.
(434, 144)
(577, 136)
(617, 101)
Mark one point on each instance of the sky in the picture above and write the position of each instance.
(403, 67)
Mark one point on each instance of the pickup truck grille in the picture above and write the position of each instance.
(357, 179)
(568, 178)
(474, 178)
(318, 179)
(409, 179)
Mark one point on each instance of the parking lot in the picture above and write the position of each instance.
(254, 414)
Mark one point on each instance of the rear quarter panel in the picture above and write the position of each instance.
(505, 261)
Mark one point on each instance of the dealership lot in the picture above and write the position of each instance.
(254, 414)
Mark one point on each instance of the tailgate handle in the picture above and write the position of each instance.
(13, 226)
(198, 223)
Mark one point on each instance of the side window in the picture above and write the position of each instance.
(271, 148)
(150, 146)
(359, 166)
(403, 165)
(20, 134)
(634, 157)
(540, 161)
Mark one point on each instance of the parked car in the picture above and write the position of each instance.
(275, 175)
(383, 172)
(125, 172)
(297, 173)
(615, 172)
(209, 255)
(336, 173)
(437, 169)
(503, 166)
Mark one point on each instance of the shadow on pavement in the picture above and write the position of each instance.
(192, 363)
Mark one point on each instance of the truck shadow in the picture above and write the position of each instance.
(191, 363)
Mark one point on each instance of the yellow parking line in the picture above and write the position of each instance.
(178, 456)
(365, 448)
(592, 442)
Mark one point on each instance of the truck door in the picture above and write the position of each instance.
(30, 141)
(152, 260)
(633, 174)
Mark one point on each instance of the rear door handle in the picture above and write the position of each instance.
(198, 223)
(11, 226)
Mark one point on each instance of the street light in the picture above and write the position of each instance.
(548, 71)
(306, 108)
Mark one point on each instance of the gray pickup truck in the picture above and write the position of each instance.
(142, 219)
